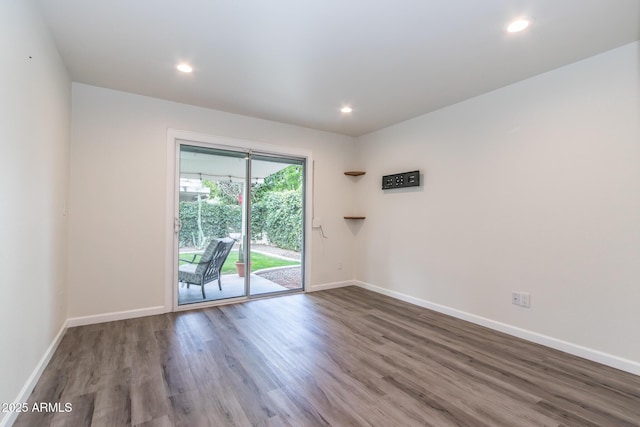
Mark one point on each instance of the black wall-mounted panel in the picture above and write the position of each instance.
(401, 180)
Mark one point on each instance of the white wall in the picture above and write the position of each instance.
(118, 194)
(534, 187)
(34, 151)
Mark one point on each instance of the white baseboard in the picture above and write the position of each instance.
(110, 317)
(28, 387)
(575, 349)
(333, 285)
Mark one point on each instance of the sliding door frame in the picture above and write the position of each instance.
(177, 137)
(262, 156)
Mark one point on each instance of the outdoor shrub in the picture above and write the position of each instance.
(278, 215)
(218, 220)
(283, 219)
(258, 213)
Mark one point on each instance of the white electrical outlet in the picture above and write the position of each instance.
(523, 299)
(515, 298)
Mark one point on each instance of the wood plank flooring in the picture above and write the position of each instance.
(341, 357)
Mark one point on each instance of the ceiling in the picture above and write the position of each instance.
(300, 61)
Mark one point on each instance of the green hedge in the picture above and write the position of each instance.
(283, 219)
(218, 220)
(279, 215)
(258, 217)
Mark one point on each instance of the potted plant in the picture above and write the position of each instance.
(240, 262)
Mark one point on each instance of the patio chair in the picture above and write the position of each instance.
(208, 267)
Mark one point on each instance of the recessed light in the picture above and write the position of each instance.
(346, 109)
(185, 68)
(517, 25)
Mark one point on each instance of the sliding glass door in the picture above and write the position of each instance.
(211, 189)
(241, 224)
(277, 224)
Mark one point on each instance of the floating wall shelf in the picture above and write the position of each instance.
(354, 173)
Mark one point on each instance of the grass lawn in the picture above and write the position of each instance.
(258, 262)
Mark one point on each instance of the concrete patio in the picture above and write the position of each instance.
(232, 287)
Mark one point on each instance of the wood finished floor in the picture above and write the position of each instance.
(340, 357)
